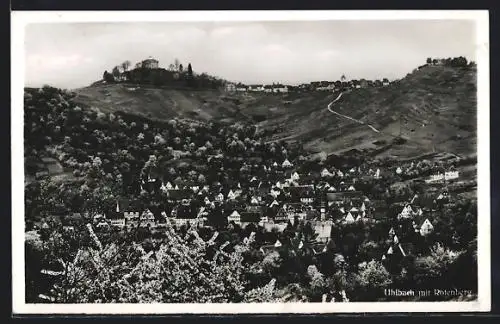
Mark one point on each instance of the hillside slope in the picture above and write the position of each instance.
(161, 103)
(433, 108)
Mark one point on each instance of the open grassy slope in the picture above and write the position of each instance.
(161, 103)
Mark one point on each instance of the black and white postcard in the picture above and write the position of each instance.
(250, 162)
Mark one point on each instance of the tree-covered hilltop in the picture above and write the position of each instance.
(174, 76)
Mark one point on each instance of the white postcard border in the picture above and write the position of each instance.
(21, 18)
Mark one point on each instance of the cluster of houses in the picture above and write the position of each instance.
(446, 176)
(330, 86)
(274, 88)
(322, 201)
(327, 199)
(415, 213)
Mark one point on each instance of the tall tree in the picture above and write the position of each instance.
(125, 65)
(190, 71)
(181, 68)
(115, 72)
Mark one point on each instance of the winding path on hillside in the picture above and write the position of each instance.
(329, 107)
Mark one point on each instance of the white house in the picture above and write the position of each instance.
(231, 195)
(230, 87)
(406, 212)
(351, 188)
(147, 219)
(256, 88)
(450, 175)
(234, 217)
(307, 200)
(325, 173)
(426, 228)
(286, 164)
(150, 63)
(349, 219)
(280, 89)
(295, 176)
(435, 177)
(219, 197)
(399, 170)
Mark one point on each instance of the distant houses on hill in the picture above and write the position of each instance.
(328, 86)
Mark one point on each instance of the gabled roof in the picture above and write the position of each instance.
(235, 214)
(349, 219)
(274, 203)
(426, 228)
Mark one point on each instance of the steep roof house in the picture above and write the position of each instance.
(234, 217)
(286, 164)
(147, 219)
(426, 228)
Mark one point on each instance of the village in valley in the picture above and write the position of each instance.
(139, 180)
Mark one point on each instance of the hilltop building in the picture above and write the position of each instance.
(150, 63)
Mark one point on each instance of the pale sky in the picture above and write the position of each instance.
(71, 55)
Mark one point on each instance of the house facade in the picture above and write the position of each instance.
(230, 87)
(150, 63)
